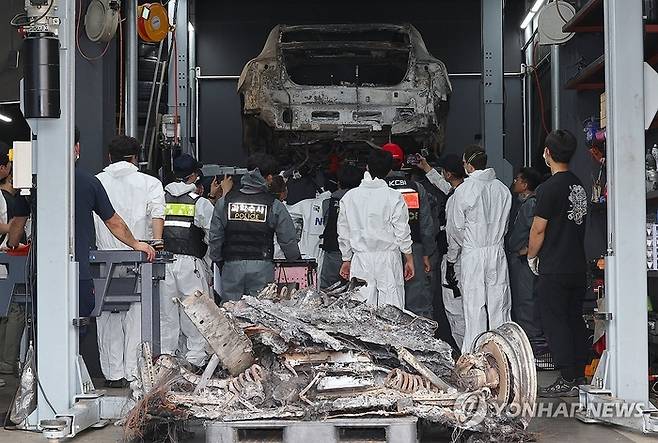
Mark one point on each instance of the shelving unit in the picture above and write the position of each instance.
(590, 78)
(588, 19)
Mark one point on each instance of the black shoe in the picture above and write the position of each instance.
(562, 388)
(117, 384)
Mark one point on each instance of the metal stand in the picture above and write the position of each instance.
(123, 277)
(12, 288)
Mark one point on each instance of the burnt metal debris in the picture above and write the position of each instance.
(313, 355)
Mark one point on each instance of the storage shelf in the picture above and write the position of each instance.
(590, 78)
(589, 18)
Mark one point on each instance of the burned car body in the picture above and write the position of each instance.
(337, 85)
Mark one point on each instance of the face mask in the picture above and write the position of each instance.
(545, 159)
(466, 172)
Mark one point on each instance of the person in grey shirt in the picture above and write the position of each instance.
(522, 280)
(242, 232)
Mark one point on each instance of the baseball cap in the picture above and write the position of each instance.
(186, 165)
(452, 163)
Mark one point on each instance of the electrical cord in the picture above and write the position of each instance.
(173, 38)
(33, 21)
(30, 285)
(121, 74)
(557, 7)
(539, 89)
(77, 39)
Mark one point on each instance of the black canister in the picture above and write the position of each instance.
(41, 79)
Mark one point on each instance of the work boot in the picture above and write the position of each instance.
(562, 388)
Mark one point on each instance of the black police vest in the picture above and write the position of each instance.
(248, 236)
(181, 235)
(409, 191)
(330, 235)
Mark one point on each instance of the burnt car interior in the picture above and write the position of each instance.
(375, 57)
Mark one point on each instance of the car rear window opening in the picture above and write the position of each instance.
(360, 58)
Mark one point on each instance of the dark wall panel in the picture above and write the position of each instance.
(231, 33)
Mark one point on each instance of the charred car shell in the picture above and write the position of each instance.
(336, 85)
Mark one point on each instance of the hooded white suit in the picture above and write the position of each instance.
(373, 228)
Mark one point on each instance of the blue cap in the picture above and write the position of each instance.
(186, 165)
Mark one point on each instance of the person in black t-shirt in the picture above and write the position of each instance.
(556, 253)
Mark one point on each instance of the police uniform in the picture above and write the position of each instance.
(242, 237)
(187, 222)
(418, 294)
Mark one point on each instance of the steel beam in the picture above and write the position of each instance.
(626, 279)
(556, 86)
(131, 69)
(178, 73)
(57, 276)
(492, 88)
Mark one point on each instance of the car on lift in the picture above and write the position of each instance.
(315, 87)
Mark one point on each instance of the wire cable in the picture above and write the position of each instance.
(77, 39)
(121, 74)
(175, 55)
(33, 21)
(557, 7)
(540, 93)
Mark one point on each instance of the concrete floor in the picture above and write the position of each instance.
(564, 430)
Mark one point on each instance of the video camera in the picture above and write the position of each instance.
(221, 171)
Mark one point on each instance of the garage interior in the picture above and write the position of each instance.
(517, 69)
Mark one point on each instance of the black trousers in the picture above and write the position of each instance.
(524, 299)
(561, 309)
(443, 332)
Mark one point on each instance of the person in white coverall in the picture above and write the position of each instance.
(451, 177)
(186, 228)
(310, 212)
(479, 219)
(373, 228)
(139, 199)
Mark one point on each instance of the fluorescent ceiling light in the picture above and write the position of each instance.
(6, 119)
(531, 14)
(190, 27)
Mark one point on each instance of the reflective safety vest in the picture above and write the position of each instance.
(181, 235)
(248, 236)
(409, 191)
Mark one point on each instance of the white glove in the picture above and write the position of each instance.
(533, 262)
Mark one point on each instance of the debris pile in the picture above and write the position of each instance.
(313, 354)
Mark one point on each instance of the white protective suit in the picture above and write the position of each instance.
(478, 225)
(373, 228)
(185, 276)
(138, 198)
(310, 213)
(454, 306)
